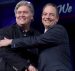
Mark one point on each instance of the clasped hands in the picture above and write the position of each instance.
(31, 68)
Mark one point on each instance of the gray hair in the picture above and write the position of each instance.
(25, 3)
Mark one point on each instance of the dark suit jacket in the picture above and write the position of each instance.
(56, 40)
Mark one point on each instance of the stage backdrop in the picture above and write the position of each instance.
(66, 11)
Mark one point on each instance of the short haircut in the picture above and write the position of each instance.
(53, 5)
(24, 3)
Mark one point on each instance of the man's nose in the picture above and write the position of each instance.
(47, 16)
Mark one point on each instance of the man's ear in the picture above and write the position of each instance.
(57, 19)
(32, 18)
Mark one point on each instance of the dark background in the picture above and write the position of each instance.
(67, 16)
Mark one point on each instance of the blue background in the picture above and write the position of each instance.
(66, 19)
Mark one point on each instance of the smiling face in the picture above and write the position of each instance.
(23, 15)
(49, 16)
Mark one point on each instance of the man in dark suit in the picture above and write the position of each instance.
(54, 43)
(18, 59)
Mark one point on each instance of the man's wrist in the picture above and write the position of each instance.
(10, 41)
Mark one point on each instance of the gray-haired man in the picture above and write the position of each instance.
(19, 59)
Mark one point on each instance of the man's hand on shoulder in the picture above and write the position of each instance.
(5, 42)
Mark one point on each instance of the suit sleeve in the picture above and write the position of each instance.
(1, 34)
(52, 37)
